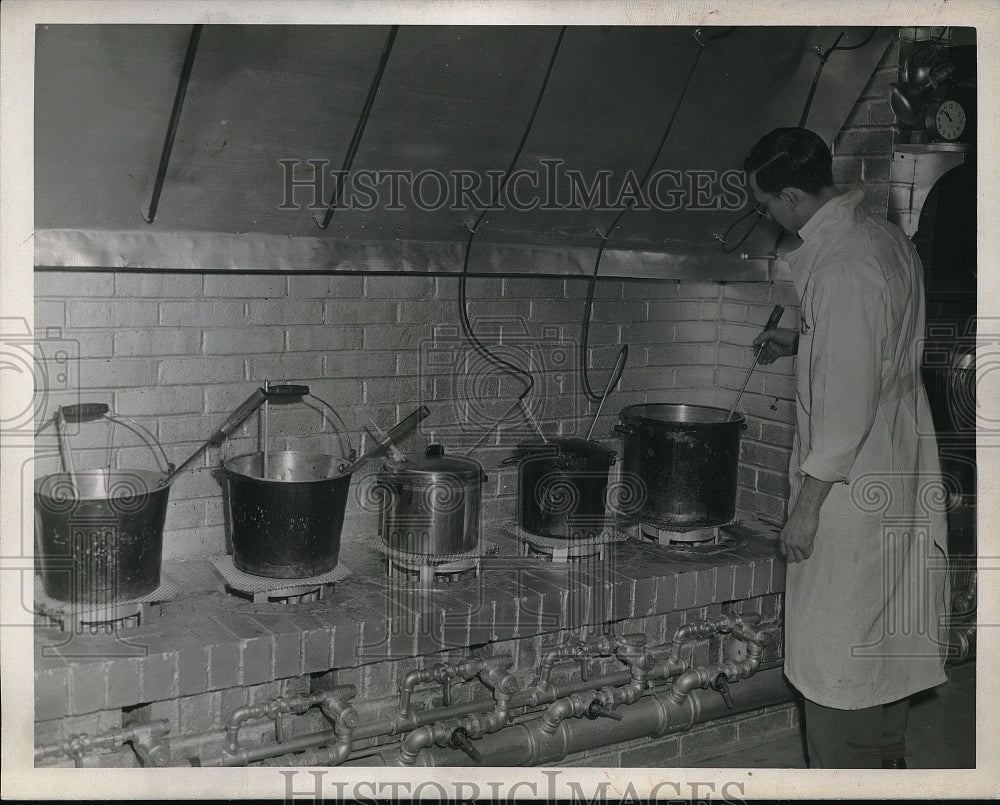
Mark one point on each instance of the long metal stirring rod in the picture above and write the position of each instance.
(772, 322)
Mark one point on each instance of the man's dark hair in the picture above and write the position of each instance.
(790, 157)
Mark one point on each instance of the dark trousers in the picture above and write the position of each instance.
(855, 739)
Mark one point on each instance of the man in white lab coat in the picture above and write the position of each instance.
(865, 538)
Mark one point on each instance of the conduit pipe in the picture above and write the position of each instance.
(657, 714)
(146, 739)
(575, 650)
(442, 672)
(617, 688)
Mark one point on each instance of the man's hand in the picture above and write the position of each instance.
(778, 342)
(798, 535)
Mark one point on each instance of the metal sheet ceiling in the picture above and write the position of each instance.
(451, 99)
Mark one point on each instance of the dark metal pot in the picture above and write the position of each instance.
(561, 486)
(683, 461)
(100, 536)
(432, 505)
(287, 525)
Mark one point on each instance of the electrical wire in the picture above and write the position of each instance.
(588, 308)
(823, 58)
(528, 377)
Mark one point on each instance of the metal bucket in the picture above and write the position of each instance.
(684, 460)
(287, 525)
(100, 535)
(562, 487)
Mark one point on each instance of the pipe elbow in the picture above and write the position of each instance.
(555, 713)
(414, 743)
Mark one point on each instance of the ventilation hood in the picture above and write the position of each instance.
(270, 111)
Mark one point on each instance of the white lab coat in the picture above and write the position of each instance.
(865, 613)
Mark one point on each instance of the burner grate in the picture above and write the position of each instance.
(685, 537)
(263, 589)
(564, 550)
(427, 568)
(106, 616)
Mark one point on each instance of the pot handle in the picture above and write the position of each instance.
(626, 430)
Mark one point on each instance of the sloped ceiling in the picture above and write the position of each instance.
(264, 101)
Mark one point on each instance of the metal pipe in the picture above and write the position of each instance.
(175, 116)
(442, 672)
(396, 725)
(655, 715)
(149, 735)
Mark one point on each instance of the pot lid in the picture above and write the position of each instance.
(567, 446)
(680, 414)
(435, 462)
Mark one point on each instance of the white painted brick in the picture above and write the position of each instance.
(153, 400)
(190, 543)
(398, 287)
(738, 334)
(318, 286)
(195, 480)
(92, 343)
(380, 389)
(285, 311)
(288, 367)
(429, 311)
(531, 288)
(322, 337)
(476, 287)
(201, 314)
(268, 286)
(359, 311)
(625, 312)
(220, 397)
(184, 371)
(159, 286)
(158, 341)
(669, 355)
(117, 373)
(49, 314)
(734, 378)
(736, 312)
(779, 386)
(182, 514)
(111, 314)
(652, 378)
(694, 376)
(337, 393)
(699, 290)
(174, 429)
(362, 364)
(401, 337)
(671, 310)
(74, 284)
(653, 332)
(243, 340)
(556, 310)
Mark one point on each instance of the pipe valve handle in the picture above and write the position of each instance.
(721, 684)
(596, 709)
(460, 740)
(286, 392)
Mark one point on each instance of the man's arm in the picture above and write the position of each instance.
(779, 342)
(799, 531)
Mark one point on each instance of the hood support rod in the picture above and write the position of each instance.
(175, 116)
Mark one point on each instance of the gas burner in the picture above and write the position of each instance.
(685, 538)
(556, 549)
(426, 569)
(263, 589)
(95, 617)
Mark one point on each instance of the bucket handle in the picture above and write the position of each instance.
(89, 412)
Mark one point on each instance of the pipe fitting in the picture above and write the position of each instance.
(148, 743)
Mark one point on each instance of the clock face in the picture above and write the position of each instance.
(948, 120)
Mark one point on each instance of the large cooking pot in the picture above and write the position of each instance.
(683, 459)
(562, 484)
(99, 532)
(100, 538)
(286, 525)
(431, 505)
